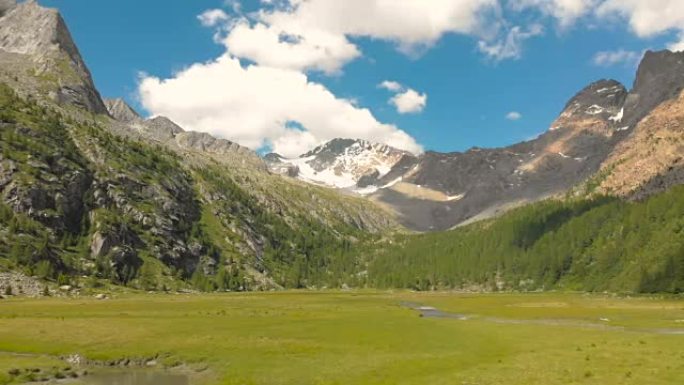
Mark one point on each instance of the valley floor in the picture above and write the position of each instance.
(356, 337)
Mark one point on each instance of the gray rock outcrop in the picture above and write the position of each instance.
(121, 111)
(42, 34)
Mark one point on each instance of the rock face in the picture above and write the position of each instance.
(29, 29)
(121, 111)
(161, 128)
(660, 77)
(651, 159)
(165, 131)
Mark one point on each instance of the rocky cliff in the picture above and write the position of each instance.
(41, 39)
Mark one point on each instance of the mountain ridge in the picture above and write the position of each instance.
(437, 191)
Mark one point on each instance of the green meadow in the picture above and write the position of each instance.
(359, 338)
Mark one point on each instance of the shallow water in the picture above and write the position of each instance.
(431, 312)
(136, 377)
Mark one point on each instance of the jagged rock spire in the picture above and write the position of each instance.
(121, 111)
(42, 34)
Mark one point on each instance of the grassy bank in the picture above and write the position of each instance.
(361, 338)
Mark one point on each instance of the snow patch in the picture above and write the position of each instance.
(618, 118)
(348, 165)
(325, 177)
(608, 89)
(595, 109)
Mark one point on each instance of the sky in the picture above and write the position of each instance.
(440, 75)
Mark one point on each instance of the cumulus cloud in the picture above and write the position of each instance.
(514, 115)
(212, 17)
(565, 11)
(611, 58)
(273, 47)
(257, 105)
(391, 85)
(510, 47)
(314, 34)
(405, 100)
(648, 18)
(409, 102)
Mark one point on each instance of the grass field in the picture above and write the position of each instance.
(360, 338)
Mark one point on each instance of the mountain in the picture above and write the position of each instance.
(90, 188)
(342, 163)
(621, 140)
(436, 191)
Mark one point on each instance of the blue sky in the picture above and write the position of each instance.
(469, 93)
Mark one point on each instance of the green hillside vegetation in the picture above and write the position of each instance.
(165, 223)
(595, 245)
(162, 222)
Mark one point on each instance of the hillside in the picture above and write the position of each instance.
(89, 188)
(599, 244)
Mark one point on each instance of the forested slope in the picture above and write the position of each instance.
(595, 244)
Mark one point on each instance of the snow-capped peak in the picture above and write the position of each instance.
(345, 163)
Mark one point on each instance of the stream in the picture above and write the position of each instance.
(431, 312)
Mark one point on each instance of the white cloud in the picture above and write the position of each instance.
(514, 115)
(646, 17)
(314, 34)
(565, 11)
(510, 47)
(405, 100)
(273, 47)
(212, 17)
(255, 105)
(611, 58)
(391, 85)
(409, 102)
